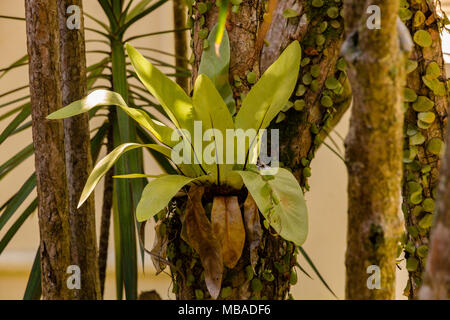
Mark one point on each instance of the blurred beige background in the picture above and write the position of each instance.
(326, 201)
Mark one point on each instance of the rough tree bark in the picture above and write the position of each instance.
(437, 272)
(423, 139)
(258, 33)
(48, 138)
(108, 195)
(181, 46)
(374, 145)
(83, 247)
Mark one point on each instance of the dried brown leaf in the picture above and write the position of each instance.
(253, 228)
(160, 247)
(202, 239)
(226, 219)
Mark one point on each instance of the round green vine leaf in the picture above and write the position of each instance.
(416, 139)
(202, 7)
(415, 198)
(419, 19)
(423, 125)
(335, 24)
(427, 117)
(256, 285)
(426, 222)
(301, 89)
(405, 14)
(290, 13)
(332, 83)
(315, 70)
(199, 295)
(428, 205)
(315, 85)
(251, 77)
(435, 146)
(307, 79)
(305, 62)
(412, 264)
(433, 70)
(320, 40)
(317, 3)
(414, 187)
(423, 38)
(422, 251)
(410, 95)
(423, 104)
(333, 12)
(326, 101)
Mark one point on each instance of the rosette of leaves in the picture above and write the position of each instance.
(219, 239)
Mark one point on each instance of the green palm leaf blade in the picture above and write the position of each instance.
(16, 160)
(109, 98)
(20, 62)
(17, 200)
(138, 8)
(271, 93)
(34, 289)
(17, 224)
(280, 200)
(158, 193)
(20, 118)
(316, 271)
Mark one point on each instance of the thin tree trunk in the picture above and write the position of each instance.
(258, 34)
(48, 138)
(374, 147)
(421, 164)
(181, 46)
(106, 213)
(78, 154)
(437, 272)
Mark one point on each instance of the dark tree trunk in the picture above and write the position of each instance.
(181, 46)
(374, 146)
(258, 34)
(421, 164)
(78, 154)
(48, 137)
(108, 195)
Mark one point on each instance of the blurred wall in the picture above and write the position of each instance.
(326, 201)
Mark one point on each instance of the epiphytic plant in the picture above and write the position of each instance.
(220, 239)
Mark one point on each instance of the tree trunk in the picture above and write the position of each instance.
(437, 272)
(421, 163)
(48, 137)
(78, 154)
(374, 147)
(258, 34)
(108, 195)
(181, 46)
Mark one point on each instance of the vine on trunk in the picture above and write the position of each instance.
(426, 106)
